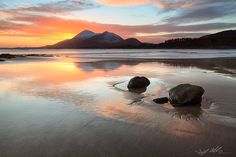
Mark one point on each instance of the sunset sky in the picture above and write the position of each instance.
(44, 22)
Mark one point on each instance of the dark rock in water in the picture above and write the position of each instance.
(186, 94)
(138, 82)
(162, 100)
(39, 55)
(1, 60)
(7, 56)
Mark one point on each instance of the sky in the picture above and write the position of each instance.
(29, 23)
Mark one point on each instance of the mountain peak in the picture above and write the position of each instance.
(110, 37)
(85, 34)
(108, 33)
(86, 31)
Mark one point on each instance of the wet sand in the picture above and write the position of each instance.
(72, 107)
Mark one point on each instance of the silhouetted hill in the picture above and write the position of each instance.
(89, 39)
(221, 40)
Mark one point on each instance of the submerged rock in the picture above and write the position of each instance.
(39, 55)
(186, 94)
(138, 82)
(162, 100)
(7, 56)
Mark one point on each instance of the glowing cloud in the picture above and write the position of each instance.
(123, 3)
(158, 3)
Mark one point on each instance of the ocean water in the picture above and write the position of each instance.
(126, 53)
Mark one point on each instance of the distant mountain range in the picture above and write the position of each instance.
(89, 39)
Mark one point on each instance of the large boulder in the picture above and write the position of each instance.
(186, 94)
(138, 82)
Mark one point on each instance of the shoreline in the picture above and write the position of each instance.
(12, 56)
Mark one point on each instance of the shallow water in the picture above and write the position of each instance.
(81, 107)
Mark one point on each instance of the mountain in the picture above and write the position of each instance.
(102, 40)
(89, 39)
(86, 34)
(107, 37)
(75, 41)
(220, 40)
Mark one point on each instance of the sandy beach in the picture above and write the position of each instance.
(80, 107)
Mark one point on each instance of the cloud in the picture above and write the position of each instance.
(185, 10)
(2, 5)
(159, 3)
(123, 3)
(183, 35)
(164, 3)
(204, 11)
(55, 7)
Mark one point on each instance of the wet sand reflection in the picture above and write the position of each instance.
(81, 108)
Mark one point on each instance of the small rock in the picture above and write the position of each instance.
(7, 56)
(138, 82)
(162, 100)
(186, 94)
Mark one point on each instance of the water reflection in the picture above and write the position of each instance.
(186, 112)
(220, 65)
(70, 82)
(105, 65)
(87, 84)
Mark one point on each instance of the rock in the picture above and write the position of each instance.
(7, 56)
(162, 100)
(138, 82)
(39, 55)
(186, 94)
